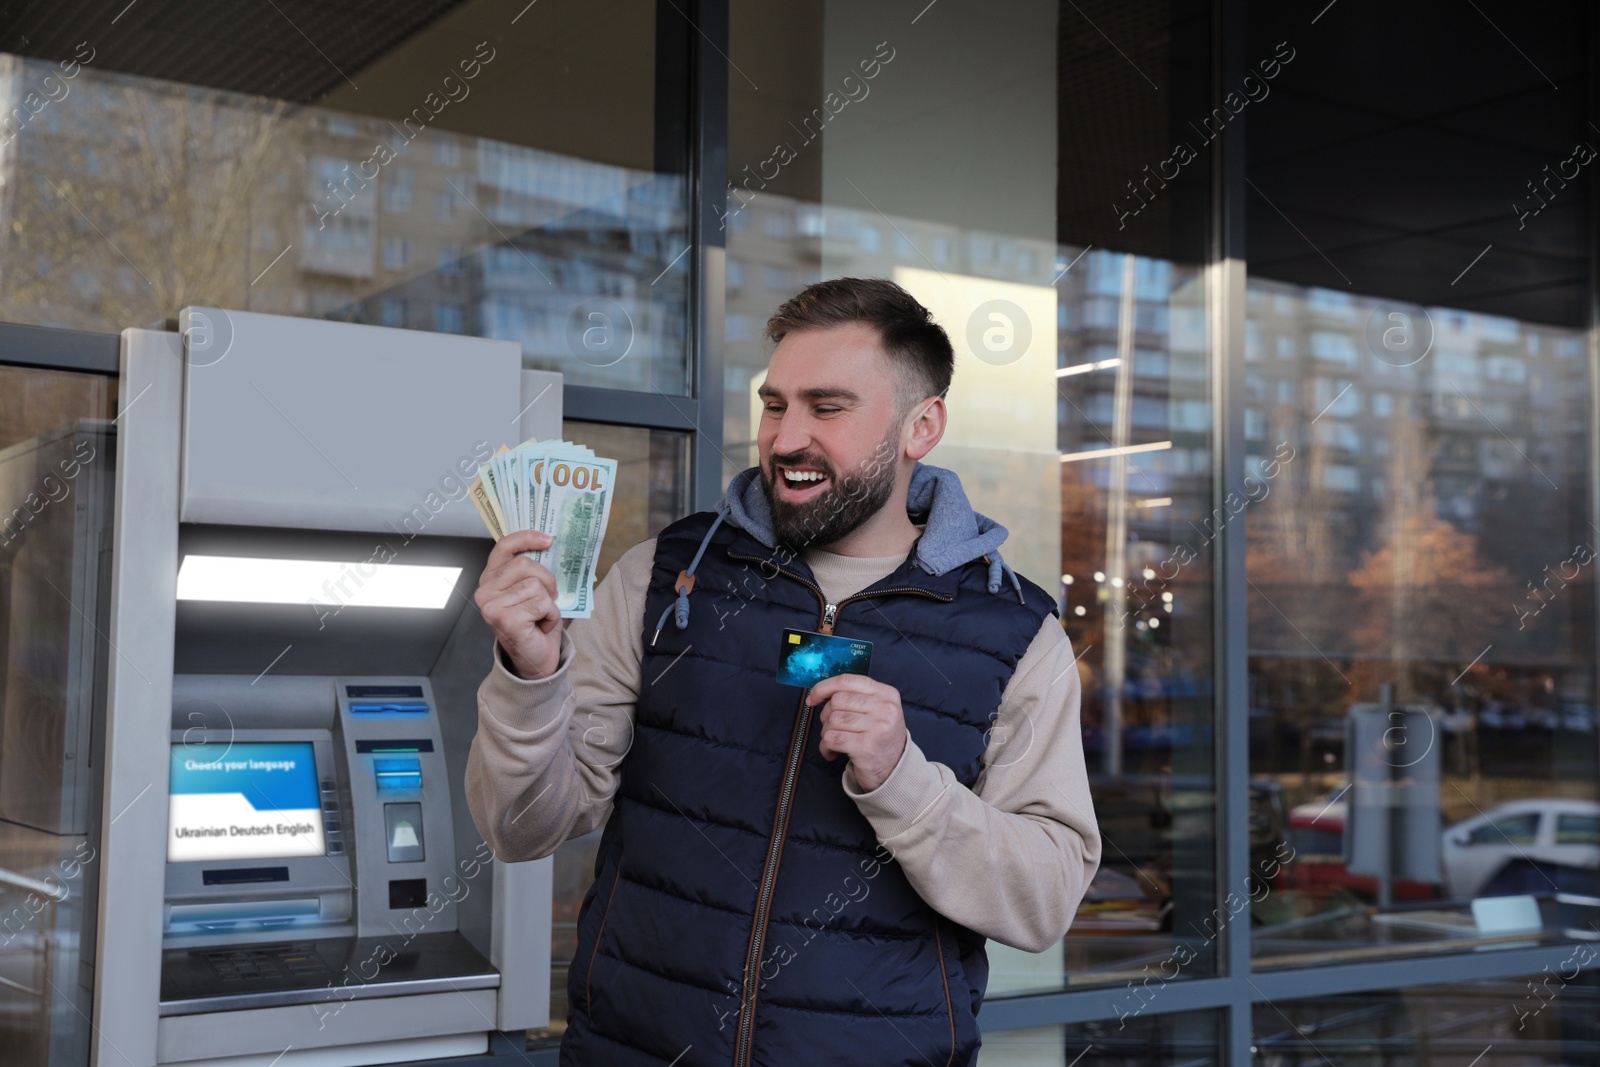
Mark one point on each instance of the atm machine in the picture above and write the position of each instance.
(290, 875)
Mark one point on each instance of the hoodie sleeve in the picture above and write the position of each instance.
(1012, 857)
(543, 766)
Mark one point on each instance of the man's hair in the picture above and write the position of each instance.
(918, 348)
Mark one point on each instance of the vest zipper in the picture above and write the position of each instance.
(745, 1037)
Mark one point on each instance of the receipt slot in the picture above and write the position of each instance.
(291, 872)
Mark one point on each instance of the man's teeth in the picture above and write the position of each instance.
(803, 476)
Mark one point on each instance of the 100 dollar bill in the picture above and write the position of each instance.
(559, 488)
(575, 505)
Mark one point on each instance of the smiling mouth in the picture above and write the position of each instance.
(802, 479)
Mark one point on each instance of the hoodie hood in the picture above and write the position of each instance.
(952, 534)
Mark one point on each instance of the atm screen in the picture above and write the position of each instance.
(245, 800)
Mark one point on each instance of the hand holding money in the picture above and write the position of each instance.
(560, 489)
(517, 598)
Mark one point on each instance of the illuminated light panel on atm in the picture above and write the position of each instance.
(244, 579)
(390, 707)
(246, 914)
(397, 773)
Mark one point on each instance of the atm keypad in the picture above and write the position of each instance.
(271, 963)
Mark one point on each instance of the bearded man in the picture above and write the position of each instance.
(795, 876)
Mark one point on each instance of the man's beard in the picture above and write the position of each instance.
(841, 508)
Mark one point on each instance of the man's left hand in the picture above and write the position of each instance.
(861, 719)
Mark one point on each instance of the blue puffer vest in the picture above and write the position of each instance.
(743, 912)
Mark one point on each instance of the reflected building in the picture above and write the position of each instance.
(449, 232)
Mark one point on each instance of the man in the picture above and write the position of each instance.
(791, 877)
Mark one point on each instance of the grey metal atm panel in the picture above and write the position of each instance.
(305, 423)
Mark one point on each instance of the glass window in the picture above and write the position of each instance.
(1420, 568)
(1080, 413)
(1333, 347)
(396, 193)
(57, 474)
(1252, 341)
(1189, 1039)
(374, 143)
(1549, 1019)
(1577, 830)
(448, 318)
(396, 253)
(652, 492)
(1510, 830)
(1316, 841)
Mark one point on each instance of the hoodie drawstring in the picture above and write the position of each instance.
(999, 567)
(679, 608)
(1015, 584)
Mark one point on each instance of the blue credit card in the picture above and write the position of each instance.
(807, 658)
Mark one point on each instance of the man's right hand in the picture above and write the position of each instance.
(517, 598)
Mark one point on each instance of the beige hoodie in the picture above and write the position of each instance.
(1009, 858)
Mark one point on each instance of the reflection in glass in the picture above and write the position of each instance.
(1413, 634)
(1080, 408)
(457, 183)
(653, 491)
(1186, 1038)
(57, 471)
(1420, 560)
(1546, 1018)
(1135, 590)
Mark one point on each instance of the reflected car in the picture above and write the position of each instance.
(1541, 845)
(1316, 830)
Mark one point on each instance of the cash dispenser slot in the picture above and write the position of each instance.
(387, 700)
(243, 875)
(365, 747)
(367, 692)
(244, 914)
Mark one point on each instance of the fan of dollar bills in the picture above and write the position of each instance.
(565, 491)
